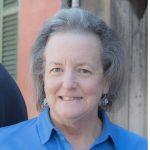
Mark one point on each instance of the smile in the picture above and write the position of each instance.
(67, 98)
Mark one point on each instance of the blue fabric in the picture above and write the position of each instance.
(40, 134)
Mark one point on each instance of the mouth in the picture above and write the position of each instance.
(69, 98)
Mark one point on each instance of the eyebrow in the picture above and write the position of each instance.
(55, 63)
(84, 64)
(78, 64)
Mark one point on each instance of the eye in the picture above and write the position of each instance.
(84, 71)
(56, 70)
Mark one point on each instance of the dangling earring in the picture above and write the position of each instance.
(105, 101)
(45, 102)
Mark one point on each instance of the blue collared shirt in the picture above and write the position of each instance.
(40, 134)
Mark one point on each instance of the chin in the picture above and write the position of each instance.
(70, 115)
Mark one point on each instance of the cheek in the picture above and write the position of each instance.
(93, 87)
(50, 86)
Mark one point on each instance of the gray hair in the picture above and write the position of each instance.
(77, 19)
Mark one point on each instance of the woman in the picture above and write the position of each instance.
(77, 67)
(12, 105)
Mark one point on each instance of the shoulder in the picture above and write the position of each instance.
(126, 139)
(18, 131)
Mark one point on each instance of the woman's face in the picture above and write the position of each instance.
(73, 79)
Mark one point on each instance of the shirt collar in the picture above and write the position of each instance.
(108, 130)
(44, 126)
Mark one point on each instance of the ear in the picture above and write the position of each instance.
(106, 86)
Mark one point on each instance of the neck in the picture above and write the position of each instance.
(82, 132)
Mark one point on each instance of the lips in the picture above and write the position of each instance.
(70, 98)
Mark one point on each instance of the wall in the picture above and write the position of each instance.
(32, 15)
(130, 109)
(98, 7)
(133, 32)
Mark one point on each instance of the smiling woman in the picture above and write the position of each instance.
(75, 82)
(77, 66)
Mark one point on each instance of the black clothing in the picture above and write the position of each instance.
(12, 105)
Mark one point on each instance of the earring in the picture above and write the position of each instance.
(105, 101)
(45, 102)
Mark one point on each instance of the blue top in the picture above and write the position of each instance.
(40, 134)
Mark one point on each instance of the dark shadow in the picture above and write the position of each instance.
(12, 105)
(139, 7)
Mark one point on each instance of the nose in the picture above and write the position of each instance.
(69, 81)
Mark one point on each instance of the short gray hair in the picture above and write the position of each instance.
(78, 19)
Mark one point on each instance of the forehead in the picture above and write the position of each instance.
(76, 45)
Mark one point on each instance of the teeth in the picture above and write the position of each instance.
(68, 98)
(65, 98)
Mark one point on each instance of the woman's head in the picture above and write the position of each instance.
(78, 21)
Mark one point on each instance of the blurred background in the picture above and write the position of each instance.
(20, 21)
